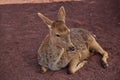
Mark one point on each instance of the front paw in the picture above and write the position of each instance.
(43, 70)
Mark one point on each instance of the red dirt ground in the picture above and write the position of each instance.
(31, 1)
(21, 33)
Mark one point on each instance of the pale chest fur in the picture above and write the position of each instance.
(54, 60)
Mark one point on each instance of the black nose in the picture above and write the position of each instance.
(72, 48)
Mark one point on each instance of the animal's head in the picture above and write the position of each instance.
(59, 32)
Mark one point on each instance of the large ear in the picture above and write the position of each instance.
(61, 14)
(46, 20)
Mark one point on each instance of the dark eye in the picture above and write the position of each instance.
(57, 35)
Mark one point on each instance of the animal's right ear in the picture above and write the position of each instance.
(46, 20)
(61, 14)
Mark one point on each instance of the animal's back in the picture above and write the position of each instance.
(81, 39)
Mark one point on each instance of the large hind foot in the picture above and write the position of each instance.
(104, 65)
(94, 45)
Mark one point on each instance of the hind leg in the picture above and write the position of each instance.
(94, 45)
(75, 65)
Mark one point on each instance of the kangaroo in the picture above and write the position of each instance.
(66, 47)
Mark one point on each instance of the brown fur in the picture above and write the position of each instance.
(54, 52)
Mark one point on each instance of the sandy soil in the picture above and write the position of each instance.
(31, 1)
(21, 33)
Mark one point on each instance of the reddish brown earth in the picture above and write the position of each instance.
(31, 1)
(21, 33)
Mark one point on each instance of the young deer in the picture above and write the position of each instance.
(64, 46)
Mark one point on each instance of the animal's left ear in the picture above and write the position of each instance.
(61, 14)
(45, 20)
